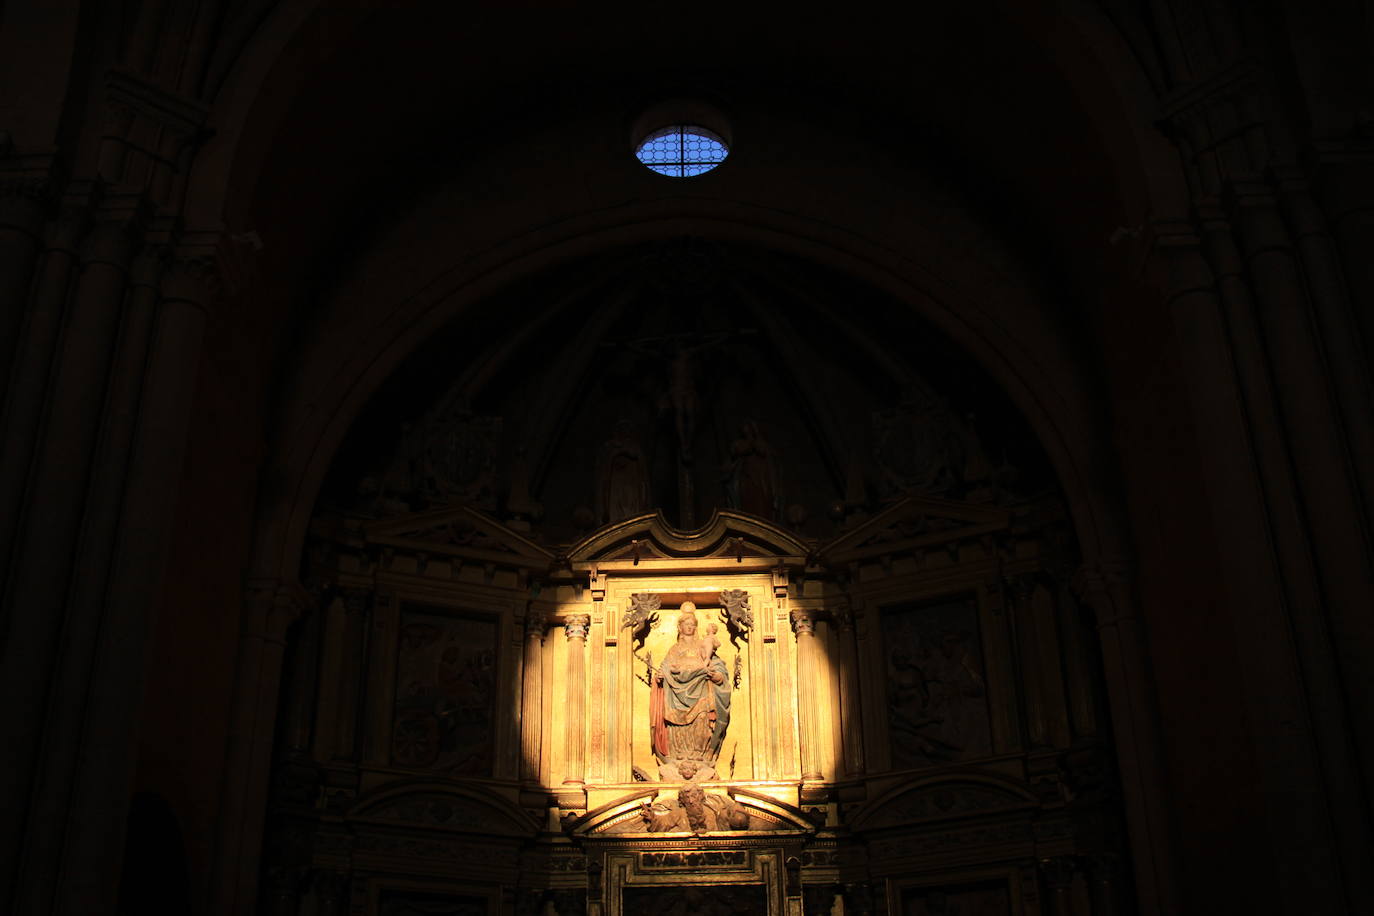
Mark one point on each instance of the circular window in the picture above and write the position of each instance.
(682, 150)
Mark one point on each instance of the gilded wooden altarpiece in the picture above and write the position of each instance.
(901, 719)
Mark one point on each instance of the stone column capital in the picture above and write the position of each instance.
(111, 242)
(192, 277)
(575, 626)
(536, 622)
(24, 201)
(356, 600)
(270, 607)
(843, 615)
(803, 622)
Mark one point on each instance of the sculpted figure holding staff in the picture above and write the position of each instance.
(689, 702)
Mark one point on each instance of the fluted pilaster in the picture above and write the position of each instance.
(532, 698)
(808, 677)
(575, 628)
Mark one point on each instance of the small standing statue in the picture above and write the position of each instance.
(750, 481)
(622, 476)
(689, 702)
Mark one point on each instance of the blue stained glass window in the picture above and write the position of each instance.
(682, 151)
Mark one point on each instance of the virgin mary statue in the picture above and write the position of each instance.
(689, 701)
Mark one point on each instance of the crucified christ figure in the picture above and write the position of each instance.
(681, 394)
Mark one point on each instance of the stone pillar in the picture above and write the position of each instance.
(1050, 665)
(1331, 497)
(22, 202)
(141, 546)
(33, 646)
(1078, 669)
(1136, 731)
(86, 627)
(1267, 557)
(1104, 878)
(331, 893)
(349, 676)
(1027, 650)
(1341, 344)
(300, 704)
(575, 627)
(1347, 193)
(851, 701)
(28, 384)
(1058, 873)
(532, 698)
(270, 607)
(808, 675)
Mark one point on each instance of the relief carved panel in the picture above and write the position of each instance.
(445, 693)
(937, 709)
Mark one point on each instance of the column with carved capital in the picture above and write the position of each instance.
(1311, 376)
(1106, 589)
(575, 627)
(44, 551)
(23, 199)
(1346, 189)
(532, 698)
(87, 624)
(141, 545)
(340, 674)
(1280, 591)
(1032, 682)
(1335, 325)
(808, 678)
(851, 703)
(23, 400)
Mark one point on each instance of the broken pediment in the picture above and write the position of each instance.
(461, 531)
(728, 536)
(913, 523)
